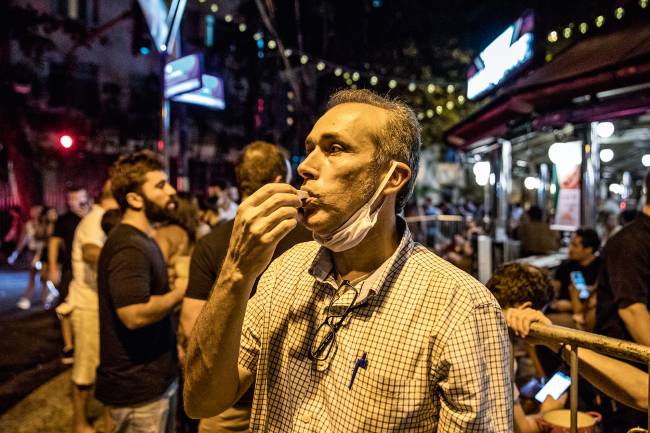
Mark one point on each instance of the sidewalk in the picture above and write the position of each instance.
(48, 409)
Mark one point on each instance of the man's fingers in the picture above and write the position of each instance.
(278, 201)
(280, 230)
(267, 191)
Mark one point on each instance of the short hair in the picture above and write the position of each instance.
(535, 213)
(513, 284)
(128, 173)
(74, 188)
(589, 237)
(260, 163)
(399, 139)
(110, 219)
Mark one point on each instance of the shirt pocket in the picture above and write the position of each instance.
(390, 402)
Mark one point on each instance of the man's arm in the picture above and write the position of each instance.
(90, 254)
(190, 310)
(53, 246)
(637, 321)
(478, 388)
(214, 380)
(139, 315)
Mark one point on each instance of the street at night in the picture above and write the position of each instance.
(220, 216)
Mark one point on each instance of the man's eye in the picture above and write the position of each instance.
(335, 148)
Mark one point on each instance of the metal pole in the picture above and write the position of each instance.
(163, 143)
(574, 389)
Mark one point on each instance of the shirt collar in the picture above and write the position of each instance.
(322, 268)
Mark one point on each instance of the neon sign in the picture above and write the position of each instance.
(504, 56)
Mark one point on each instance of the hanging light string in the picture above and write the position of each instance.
(453, 91)
(573, 29)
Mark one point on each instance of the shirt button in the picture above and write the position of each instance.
(322, 365)
(306, 418)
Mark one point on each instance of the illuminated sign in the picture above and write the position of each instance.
(183, 75)
(211, 95)
(506, 55)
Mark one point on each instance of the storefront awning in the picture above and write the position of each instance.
(590, 66)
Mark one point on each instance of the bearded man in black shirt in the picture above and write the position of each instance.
(137, 374)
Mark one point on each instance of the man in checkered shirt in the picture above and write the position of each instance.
(363, 330)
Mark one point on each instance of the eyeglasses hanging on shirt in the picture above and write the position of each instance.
(341, 305)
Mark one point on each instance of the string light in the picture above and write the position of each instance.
(350, 76)
(552, 37)
(420, 116)
(289, 121)
(566, 32)
(429, 113)
(600, 20)
(643, 4)
(450, 105)
(619, 13)
(201, 1)
(583, 28)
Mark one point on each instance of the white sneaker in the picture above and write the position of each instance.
(24, 303)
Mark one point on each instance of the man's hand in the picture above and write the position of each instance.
(520, 318)
(551, 404)
(262, 220)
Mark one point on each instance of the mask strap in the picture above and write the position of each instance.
(383, 182)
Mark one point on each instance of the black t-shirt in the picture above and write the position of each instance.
(625, 276)
(135, 365)
(563, 274)
(64, 228)
(210, 252)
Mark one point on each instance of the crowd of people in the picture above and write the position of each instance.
(313, 308)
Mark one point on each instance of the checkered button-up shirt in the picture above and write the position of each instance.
(428, 343)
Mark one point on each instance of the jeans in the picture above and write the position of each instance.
(158, 416)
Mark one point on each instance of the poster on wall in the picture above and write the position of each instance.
(568, 168)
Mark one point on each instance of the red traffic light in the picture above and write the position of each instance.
(66, 141)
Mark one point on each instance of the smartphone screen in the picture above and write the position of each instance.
(580, 284)
(555, 387)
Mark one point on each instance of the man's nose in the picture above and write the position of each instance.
(307, 168)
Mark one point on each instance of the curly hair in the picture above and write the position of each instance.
(127, 174)
(513, 284)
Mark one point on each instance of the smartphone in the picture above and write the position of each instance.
(555, 387)
(580, 284)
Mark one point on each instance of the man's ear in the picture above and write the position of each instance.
(399, 178)
(134, 200)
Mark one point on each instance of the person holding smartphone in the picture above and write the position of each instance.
(522, 286)
(573, 301)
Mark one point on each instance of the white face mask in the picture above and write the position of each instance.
(355, 229)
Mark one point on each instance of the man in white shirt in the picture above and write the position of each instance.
(88, 241)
